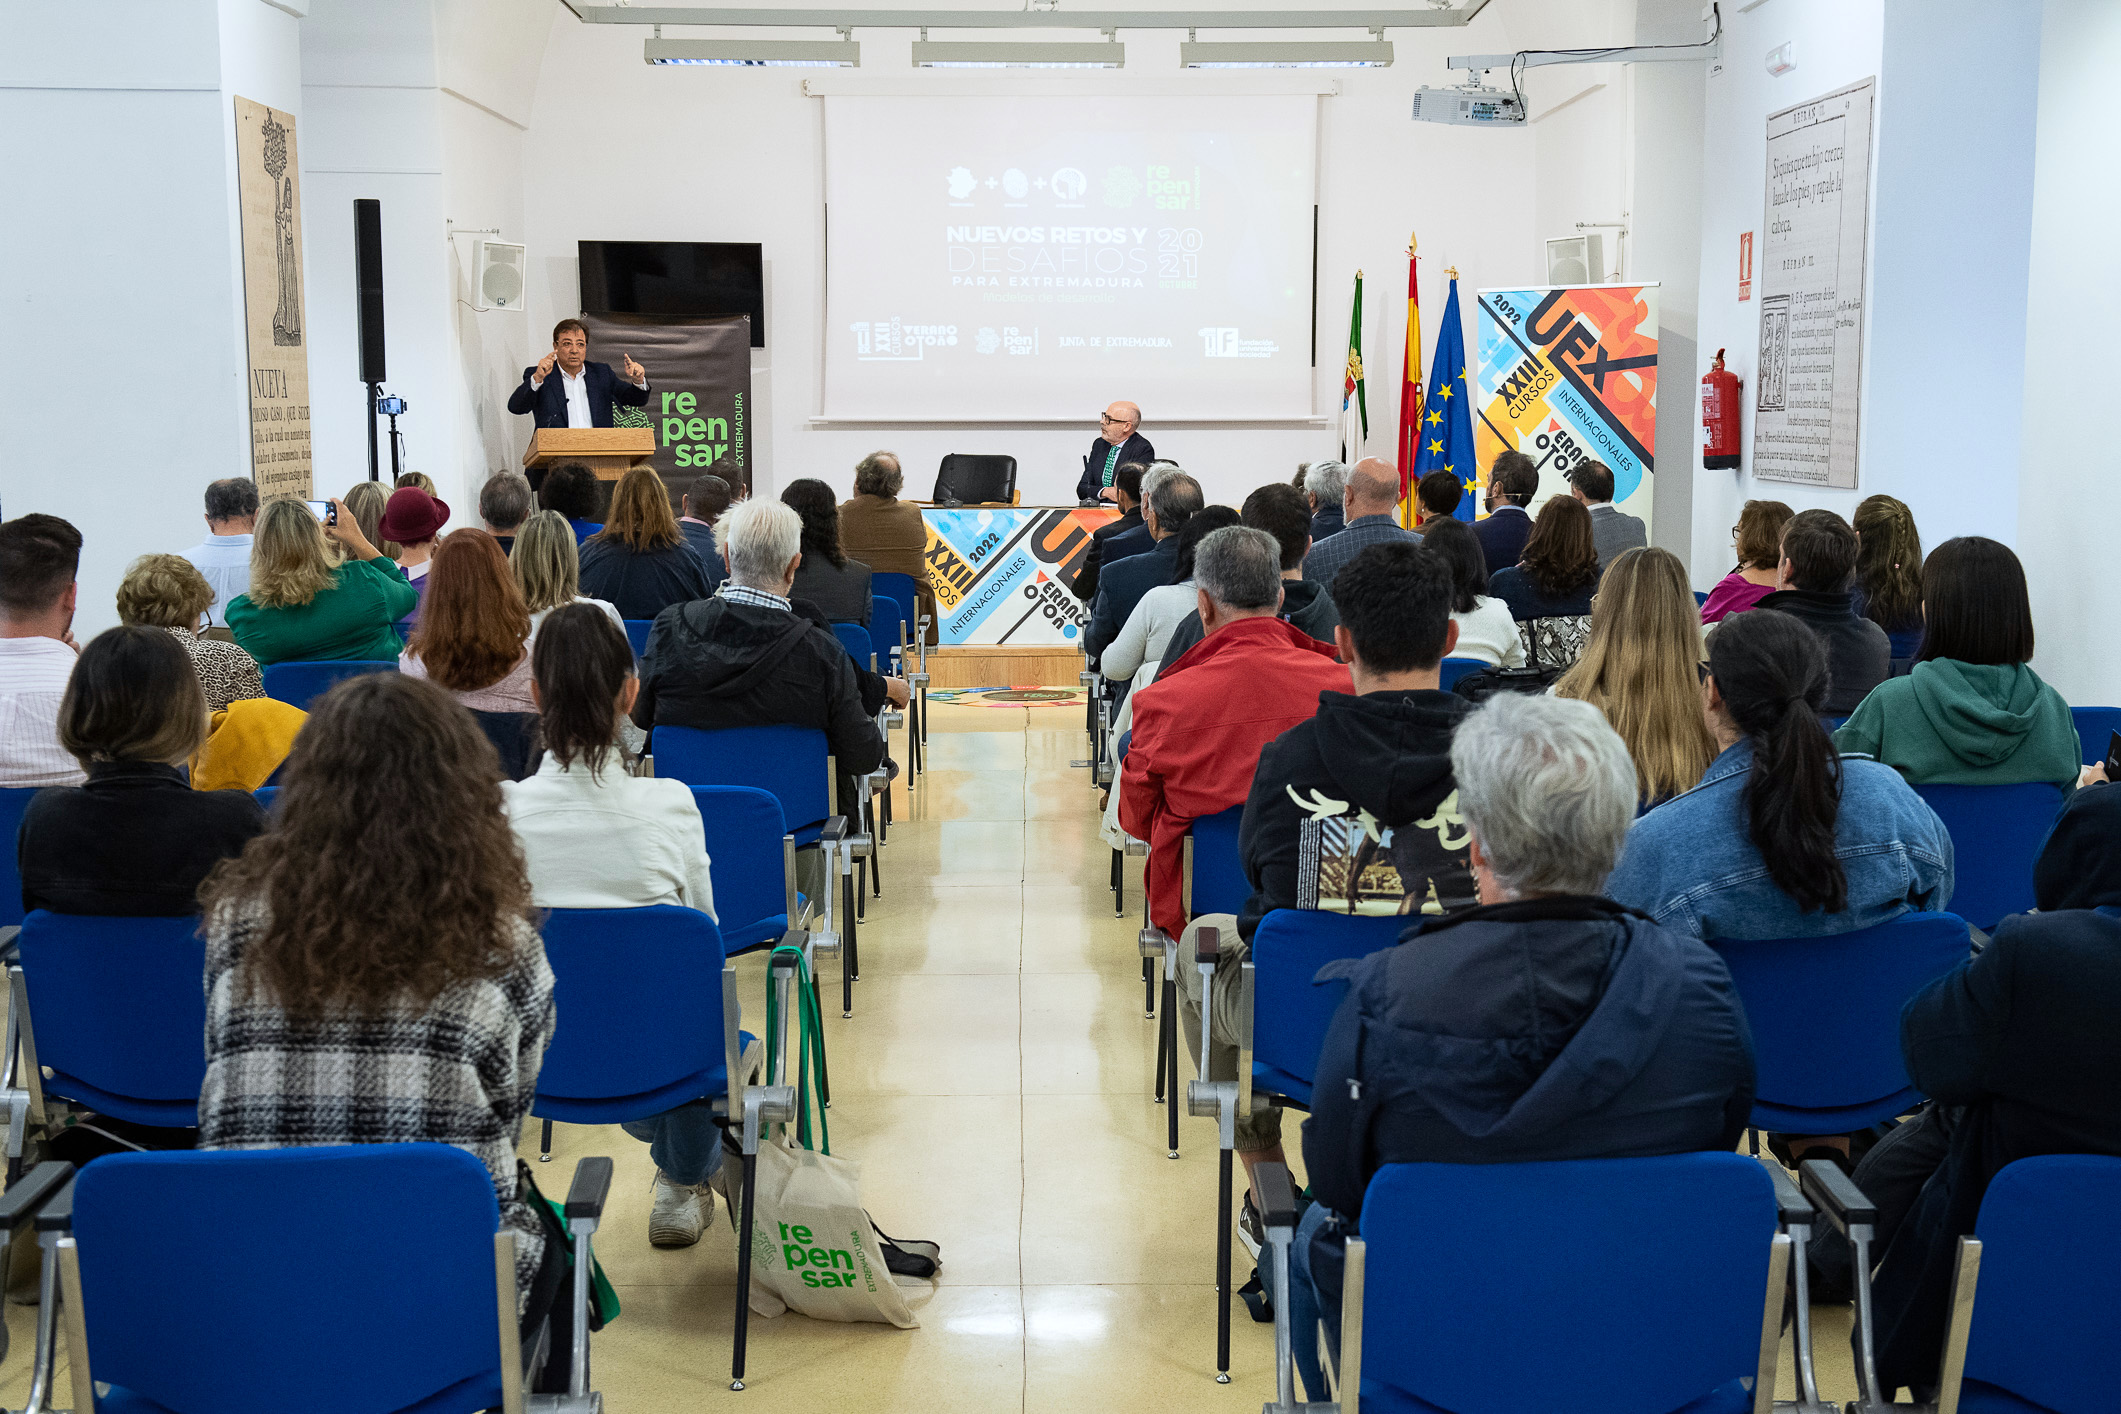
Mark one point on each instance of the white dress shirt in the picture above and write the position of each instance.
(609, 841)
(33, 674)
(575, 388)
(225, 561)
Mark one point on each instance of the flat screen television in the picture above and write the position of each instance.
(675, 277)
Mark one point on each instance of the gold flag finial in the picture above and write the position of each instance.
(1411, 244)
(1451, 271)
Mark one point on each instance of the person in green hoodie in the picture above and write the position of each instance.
(1972, 712)
(301, 607)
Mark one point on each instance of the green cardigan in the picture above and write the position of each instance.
(1972, 724)
(353, 619)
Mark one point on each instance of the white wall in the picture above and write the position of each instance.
(120, 264)
(2068, 500)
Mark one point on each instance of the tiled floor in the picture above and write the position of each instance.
(995, 1085)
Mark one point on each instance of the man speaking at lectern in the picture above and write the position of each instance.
(582, 393)
(1118, 443)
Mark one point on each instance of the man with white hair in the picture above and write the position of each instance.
(1547, 1023)
(1324, 484)
(1368, 500)
(748, 658)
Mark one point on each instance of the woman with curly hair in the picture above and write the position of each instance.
(374, 973)
(474, 635)
(306, 603)
(826, 577)
(1758, 540)
(639, 561)
(167, 591)
(1550, 588)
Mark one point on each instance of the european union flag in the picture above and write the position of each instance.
(1447, 413)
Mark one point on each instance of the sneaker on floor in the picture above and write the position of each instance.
(1250, 1230)
(680, 1212)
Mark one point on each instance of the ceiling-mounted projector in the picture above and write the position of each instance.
(1470, 107)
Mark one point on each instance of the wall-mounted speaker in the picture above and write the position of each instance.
(368, 284)
(497, 275)
(1576, 260)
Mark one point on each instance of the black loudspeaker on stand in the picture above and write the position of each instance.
(368, 284)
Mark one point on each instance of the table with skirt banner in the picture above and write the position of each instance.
(1002, 574)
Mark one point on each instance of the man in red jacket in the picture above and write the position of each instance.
(1198, 728)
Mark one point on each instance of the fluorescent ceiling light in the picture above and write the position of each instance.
(757, 53)
(1357, 55)
(1032, 55)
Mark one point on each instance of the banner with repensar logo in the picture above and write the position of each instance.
(1001, 575)
(1569, 374)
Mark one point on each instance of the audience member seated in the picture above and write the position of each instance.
(888, 534)
(2017, 1051)
(1513, 481)
(1168, 502)
(413, 518)
(1280, 511)
(1436, 498)
(826, 577)
(704, 501)
(547, 568)
(1360, 792)
(1127, 495)
(745, 658)
(39, 556)
(136, 840)
(1513, 1032)
(1486, 629)
(1782, 838)
(571, 489)
(595, 837)
(1612, 529)
(505, 502)
(1199, 729)
(1368, 503)
(473, 641)
(168, 591)
(365, 503)
(1640, 667)
(1818, 556)
(1889, 571)
(1758, 540)
(1144, 638)
(1550, 588)
(1325, 487)
(374, 973)
(639, 561)
(1973, 712)
(418, 480)
(223, 557)
(303, 604)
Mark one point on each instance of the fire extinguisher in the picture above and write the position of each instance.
(1719, 417)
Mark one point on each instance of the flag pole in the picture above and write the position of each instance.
(1410, 392)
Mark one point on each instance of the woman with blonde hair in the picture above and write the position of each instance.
(167, 591)
(639, 560)
(1639, 667)
(366, 502)
(1758, 540)
(305, 603)
(1889, 571)
(547, 568)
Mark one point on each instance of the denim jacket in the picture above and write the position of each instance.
(1692, 865)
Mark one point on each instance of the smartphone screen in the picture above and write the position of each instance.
(323, 511)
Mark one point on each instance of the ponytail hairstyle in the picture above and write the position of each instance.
(1772, 675)
(1889, 563)
(580, 661)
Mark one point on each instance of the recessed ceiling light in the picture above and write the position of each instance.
(757, 53)
(1030, 55)
(1195, 54)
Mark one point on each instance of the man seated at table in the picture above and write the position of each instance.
(1118, 442)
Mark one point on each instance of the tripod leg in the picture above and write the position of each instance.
(743, 1272)
(1171, 1083)
(1222, 1271)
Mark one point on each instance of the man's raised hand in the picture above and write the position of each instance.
(634, 372)
(545, 365)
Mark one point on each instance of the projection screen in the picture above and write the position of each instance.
(1035, 258)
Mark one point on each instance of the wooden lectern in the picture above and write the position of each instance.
(610, 452)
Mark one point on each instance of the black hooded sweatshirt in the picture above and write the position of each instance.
(1363, 788)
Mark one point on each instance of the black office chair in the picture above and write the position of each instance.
(969, 479)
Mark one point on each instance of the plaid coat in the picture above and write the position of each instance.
(461, 1071)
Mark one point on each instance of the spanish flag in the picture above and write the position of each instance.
(1410, 396)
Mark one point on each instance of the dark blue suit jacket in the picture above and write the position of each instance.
(1135, 449)
(549, 399)
(1120, 587)
(1502, 536)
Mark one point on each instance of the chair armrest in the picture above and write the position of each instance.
(29, 1193)
(1790, 1205)
(10, 942)
(591, 1186)
(57, 1213)
(1831, 1189)
(834, 828)
(1277, 1195)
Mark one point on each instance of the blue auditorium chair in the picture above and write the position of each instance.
(14, 801)
(2095, 730)
(1455, 668)
(637, 634)
(299, 684)
(1997, 832)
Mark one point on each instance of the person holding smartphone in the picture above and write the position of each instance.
(305, 604)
